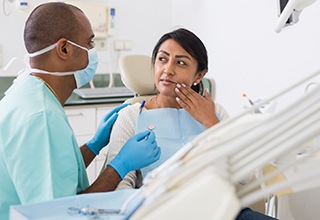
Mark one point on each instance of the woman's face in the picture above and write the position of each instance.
(174, 65)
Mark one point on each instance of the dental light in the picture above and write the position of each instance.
(289, 12)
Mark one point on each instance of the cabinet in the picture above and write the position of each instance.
(84, 120)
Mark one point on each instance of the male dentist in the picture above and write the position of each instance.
(39, 156)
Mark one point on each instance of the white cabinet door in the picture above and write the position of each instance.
(82, 120)
(102, 111)
(83, 123)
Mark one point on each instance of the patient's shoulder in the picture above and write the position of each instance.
(130, 111)
(221, 111)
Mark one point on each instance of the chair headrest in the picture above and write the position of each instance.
(137, 74)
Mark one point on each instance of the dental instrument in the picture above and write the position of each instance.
(151, 127)
(142, 105)
(245, 95)
(88, 211)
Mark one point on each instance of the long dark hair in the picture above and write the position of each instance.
(190, 43)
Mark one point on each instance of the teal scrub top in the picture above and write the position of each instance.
(39, 156)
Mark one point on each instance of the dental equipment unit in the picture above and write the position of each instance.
(201, 177)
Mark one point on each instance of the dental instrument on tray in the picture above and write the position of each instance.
(230, 154)
(266, 108)
(88, 211)
(245, 95)
(251, 103)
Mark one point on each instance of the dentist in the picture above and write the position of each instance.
(39, 156)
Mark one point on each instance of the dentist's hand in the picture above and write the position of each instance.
(139, 151)
(102, 136)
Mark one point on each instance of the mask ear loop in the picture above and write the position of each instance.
(23, 73)
(77, 45)
(42, 51)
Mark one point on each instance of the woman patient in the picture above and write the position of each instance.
(178, 112)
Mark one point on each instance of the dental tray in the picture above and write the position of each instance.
(105, 92)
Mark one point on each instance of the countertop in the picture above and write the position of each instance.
(99, 81)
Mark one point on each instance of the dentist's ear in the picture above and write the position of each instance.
(62, 48)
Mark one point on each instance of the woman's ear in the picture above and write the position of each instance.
(200, 76)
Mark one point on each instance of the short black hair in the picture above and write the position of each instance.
(50, 22)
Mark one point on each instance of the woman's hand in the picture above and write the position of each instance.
(200, 108)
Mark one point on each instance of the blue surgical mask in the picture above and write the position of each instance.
(83, 76)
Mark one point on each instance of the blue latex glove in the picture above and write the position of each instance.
(102, 136)
(139, 151)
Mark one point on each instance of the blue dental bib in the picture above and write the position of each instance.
(173, 129)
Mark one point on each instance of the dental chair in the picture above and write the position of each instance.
(137, 74)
